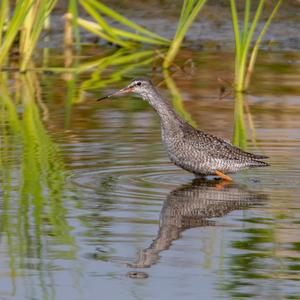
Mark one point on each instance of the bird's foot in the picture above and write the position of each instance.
(220, 186)
(223, 176)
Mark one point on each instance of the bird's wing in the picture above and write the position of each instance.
(217, 147)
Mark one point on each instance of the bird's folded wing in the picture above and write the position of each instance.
(217, 147)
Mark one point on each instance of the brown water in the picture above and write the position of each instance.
(89, 198)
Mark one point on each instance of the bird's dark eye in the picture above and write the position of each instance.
(138, 83)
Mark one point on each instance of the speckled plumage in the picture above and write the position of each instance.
(193, 150)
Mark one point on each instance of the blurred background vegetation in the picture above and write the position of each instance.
(22, 23)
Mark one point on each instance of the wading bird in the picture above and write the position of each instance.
(193, 150)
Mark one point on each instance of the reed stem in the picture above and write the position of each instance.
(189, 12)
(244, 58)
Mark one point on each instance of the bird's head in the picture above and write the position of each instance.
(140, 86)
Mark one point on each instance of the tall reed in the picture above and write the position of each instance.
(32, 27)
(4, 17)
(244, 57)
(11, 26)
(71, 18)
(189, 12)
(122, 37)
(240, 130)
(28, 20)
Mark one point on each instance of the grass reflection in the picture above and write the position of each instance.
(125, 61)
(177, 98)
(33, 216)
(264, 256)
(242, 112)
(104, 71)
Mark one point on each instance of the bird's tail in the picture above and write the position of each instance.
(258, 156)
(258, 163)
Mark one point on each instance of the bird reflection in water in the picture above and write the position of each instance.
(193, 205)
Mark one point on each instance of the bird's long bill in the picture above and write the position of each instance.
(121, 92)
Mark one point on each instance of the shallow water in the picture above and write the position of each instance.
(90, 204)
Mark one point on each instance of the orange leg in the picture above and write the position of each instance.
(222, 184)
(223, 176)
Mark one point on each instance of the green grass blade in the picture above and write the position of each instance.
(240, 131)
(121, 19)
(183, 12)
(137, 37)
(131, 57)
(191, 16)
(258, 42)
(253, 26)
(246, 20)
(112, 34)
(96, 29)
(246, 46)
(73, 10)
(97, 17)
(4, 13)
(42, 13)
(236, 30)
(186, 10)
(181, 31)
(20, 12)
(115, 33)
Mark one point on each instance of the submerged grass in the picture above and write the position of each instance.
(244, 58)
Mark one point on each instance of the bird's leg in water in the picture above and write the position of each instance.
(222, 184)
(223, 176)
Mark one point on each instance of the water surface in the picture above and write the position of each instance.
(90, 204)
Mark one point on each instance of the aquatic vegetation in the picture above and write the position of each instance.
(9, 28)
(71, 28)
(32, 27)
(244, 57)
(189, 12)
(103, 71)
(23, 29)
(4, 13)
(27, 21)
(124, 60)
(115, 35)
(39, 169)
(128, 39)
(240, 130)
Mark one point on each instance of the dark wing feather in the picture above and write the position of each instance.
(217, 147)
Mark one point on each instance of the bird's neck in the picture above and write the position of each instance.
(168, 116)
